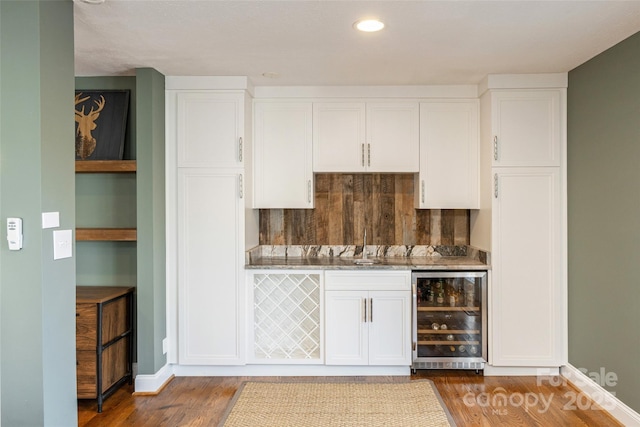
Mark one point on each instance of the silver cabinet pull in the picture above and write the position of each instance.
(495, 147)
(240, 150)
(371, 310)
(309, 191)
(362, 155)
(422, 190)
(368, 154)
(241, 189)
(364, 301)
(414, 309)
(495, 185)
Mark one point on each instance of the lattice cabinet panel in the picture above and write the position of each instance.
(287, 317)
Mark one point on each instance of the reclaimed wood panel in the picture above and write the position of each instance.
(347, 203)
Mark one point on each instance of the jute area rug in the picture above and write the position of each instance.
(300, 404)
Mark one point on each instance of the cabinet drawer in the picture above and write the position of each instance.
(114, 363)
(86, 323)
(114, 367)
(367, 280)
(86, 374)
(115, 320)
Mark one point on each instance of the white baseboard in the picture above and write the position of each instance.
(517, 371)
(287, 370)
(601, 396)
(153, 383)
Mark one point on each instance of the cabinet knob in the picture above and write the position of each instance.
(495, 147)
(495, 185)
(240, 149)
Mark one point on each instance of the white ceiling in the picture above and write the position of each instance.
(314, 43)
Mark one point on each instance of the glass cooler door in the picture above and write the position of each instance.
(449, 322)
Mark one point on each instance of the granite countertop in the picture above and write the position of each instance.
(384, 258)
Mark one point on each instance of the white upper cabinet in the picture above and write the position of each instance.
(339, 137)
(393, 137)
(210, 129)
(283, 175)
(365, 137)
(449, 145)
(526, 127)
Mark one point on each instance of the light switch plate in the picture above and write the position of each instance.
(62, 244)
(50, 219)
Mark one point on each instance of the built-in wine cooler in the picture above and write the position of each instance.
(449, 319)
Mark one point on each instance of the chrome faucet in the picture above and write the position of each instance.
(364, 260)
(364, 244)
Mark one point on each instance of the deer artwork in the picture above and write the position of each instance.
(85, 142)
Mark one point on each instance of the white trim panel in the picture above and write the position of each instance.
(413, 92)
(602, 397)
(288, 370)
(153, 383)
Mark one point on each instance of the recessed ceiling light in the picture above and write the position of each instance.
(92, 1)
(271, 75)
(369, 25)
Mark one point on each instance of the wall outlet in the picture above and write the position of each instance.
(164, 346)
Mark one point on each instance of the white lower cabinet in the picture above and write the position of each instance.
(287, 317)
(368, 318)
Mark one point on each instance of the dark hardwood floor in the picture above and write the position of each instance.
(473, 400)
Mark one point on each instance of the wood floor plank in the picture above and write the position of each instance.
(473, 400)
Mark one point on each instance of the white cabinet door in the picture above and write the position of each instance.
(339, 137)
(209, 129)
(347, 333)
(393, 141)
(528, 303)
(449, 146)
(283, 177)
(368, 327)
(389, 328)
(527, 127)
(210, 262)
(371, 137)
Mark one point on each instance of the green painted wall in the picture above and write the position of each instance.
(604, 217)
(37, 304)
(151, 253)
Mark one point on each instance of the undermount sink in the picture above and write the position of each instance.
(364, 261)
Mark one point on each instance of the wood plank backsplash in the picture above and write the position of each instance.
(347, 203)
